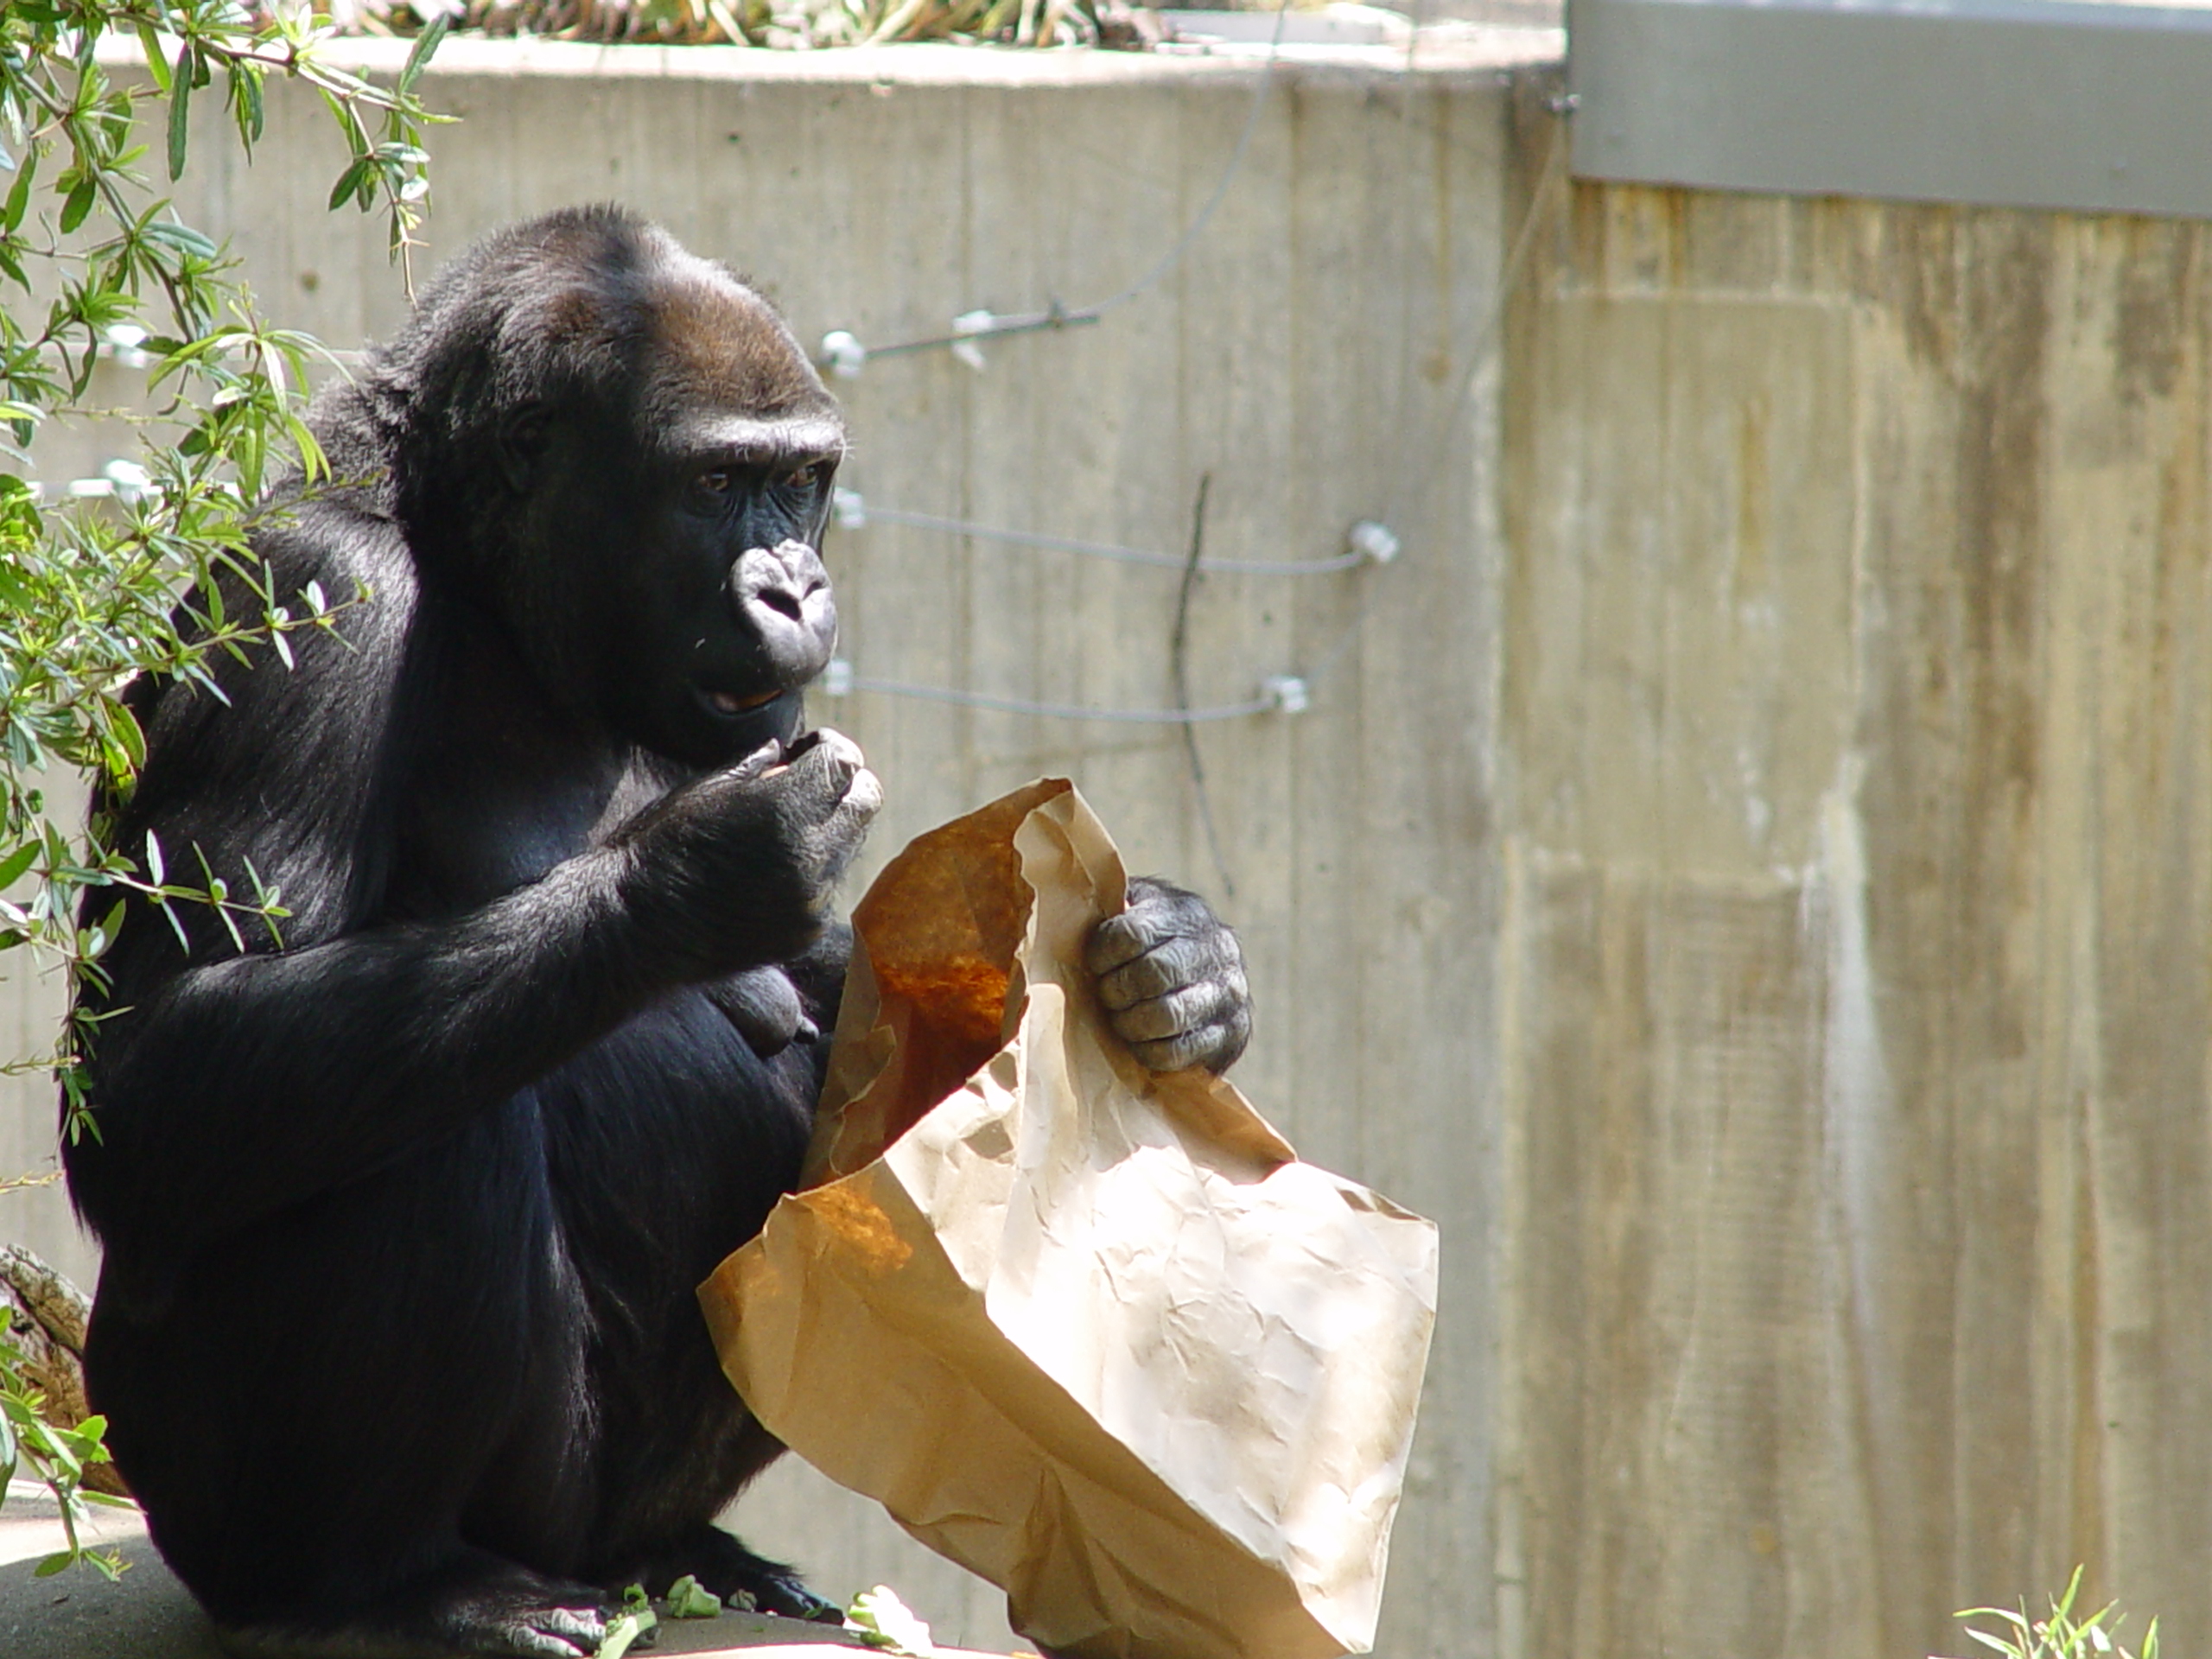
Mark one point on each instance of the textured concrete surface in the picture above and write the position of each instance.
(1308, 349)
(147, 1614)
(1746, 869)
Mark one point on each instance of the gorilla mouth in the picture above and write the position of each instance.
(729, 702)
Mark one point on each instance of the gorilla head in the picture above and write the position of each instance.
(632, 464)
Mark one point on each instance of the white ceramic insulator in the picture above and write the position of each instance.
(844, 354)
(1375, 541)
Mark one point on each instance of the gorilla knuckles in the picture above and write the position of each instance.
(768, 839)
(1171, 977)
(460, 1148)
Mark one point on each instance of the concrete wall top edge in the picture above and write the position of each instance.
(2032, 104)
(1464, 54)
(2102, 14)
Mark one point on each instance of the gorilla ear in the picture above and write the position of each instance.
(522, 443)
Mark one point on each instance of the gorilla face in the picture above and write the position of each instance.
(734, 613)
(675, 504)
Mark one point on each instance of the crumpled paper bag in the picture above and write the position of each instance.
(1091, 1332)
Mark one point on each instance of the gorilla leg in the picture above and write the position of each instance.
(661, 1172)
(657, 1531)
(423, 1300)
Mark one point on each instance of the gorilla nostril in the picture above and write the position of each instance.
(781, 600)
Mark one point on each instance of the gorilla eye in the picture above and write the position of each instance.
(718, 480)
(800, 478)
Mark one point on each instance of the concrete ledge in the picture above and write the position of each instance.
(147, 1614)
(1446, 54)
(2059, 104)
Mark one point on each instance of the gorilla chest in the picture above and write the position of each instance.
(504, 789)
(484, 820)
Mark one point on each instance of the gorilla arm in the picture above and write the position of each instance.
(227, 1088)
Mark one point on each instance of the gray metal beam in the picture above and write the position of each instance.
(2065, 104)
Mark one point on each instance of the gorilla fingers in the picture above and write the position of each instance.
(738, 868)
(1172, 978)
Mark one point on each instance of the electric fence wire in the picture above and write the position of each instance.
(1287, 693)
(1274, 699)
(1550, 183)
(854, 512)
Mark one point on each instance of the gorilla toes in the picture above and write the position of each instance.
(731, 1571)
(479, 1606)
(505, 1609)
(554, 1632)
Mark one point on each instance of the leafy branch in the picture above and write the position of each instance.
(148, 569)
(2063, 1634)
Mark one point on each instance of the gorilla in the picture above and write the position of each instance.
(541, 1040)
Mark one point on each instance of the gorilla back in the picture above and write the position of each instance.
(402, 1213)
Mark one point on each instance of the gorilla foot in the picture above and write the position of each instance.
(481, 1606)
(726, 1567)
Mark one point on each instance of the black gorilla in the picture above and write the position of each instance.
(542, 1038)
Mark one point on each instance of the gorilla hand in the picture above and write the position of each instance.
(1173, 979)
(751, 853)
(765, 1007)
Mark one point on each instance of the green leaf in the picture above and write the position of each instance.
(53, 1564)
(624, 1630)
(156, 64)
(129, 734)
(176, 925)
(182, 238)
(12, 867)
(245, 89)
(180, 110)
(19, 197)
(110, 925)
(76, 204)
(350, 182)
(882, 1620)
(426, 46)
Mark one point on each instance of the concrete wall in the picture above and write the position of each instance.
(1308, 353)
(1854, 754)
(1747, 869)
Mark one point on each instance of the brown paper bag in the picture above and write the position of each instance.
(1091, 1332)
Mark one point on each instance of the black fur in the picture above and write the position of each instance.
(402, 1214)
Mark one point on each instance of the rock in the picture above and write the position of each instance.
(147, 1614)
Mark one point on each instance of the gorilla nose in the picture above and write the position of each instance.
(782, 595)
